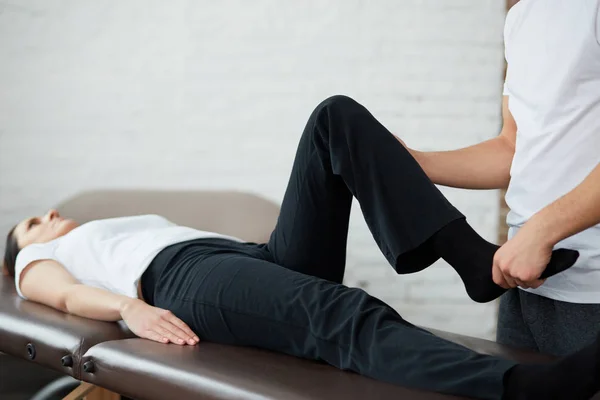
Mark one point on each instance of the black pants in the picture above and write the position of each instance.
(287, 295)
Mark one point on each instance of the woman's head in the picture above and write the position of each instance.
(34, 230)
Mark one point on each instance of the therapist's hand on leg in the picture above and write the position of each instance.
(522, 260)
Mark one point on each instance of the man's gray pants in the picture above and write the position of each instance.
(545, 325)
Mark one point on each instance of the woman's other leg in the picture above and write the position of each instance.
(345, 152)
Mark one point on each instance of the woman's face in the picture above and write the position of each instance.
(43, 229)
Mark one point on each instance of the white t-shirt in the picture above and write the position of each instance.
(111, 254)
(553, 84)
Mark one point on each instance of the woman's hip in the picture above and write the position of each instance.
(180, 267)
(252, 302)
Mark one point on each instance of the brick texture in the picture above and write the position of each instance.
(207, 94)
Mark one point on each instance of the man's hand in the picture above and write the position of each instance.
(156, 324)
(522, 260)
(412, 152)
(401, 141)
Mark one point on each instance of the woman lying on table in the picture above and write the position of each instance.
(175, 284)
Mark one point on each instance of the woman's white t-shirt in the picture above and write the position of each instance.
(553, 89)
(113, 253)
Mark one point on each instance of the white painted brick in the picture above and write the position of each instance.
(210, 94)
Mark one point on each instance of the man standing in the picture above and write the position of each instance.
(548, 156)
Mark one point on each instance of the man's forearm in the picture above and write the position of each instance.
(90, 302)
(570, 214)
(483, 166)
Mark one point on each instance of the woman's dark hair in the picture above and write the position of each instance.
(10, 254)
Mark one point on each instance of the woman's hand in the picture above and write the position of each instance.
(156, 324)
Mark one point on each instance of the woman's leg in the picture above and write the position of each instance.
(344, 152)
(231, 296)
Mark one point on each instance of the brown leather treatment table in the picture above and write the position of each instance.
(107, 355)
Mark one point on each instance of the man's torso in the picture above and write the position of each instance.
(553, 84)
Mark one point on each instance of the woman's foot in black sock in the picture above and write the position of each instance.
(472, 257)
(575, 377)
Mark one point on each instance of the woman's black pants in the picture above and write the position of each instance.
(287, 295)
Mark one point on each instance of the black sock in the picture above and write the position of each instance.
(472, 257)
(576, 377)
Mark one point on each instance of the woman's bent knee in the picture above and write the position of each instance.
(338, 102)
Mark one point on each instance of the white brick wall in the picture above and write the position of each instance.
(214, 94)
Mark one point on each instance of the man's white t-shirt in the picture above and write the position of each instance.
(553, 89)
(111, 254)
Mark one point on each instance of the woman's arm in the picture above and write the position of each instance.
(482, 166)
(49, 283)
